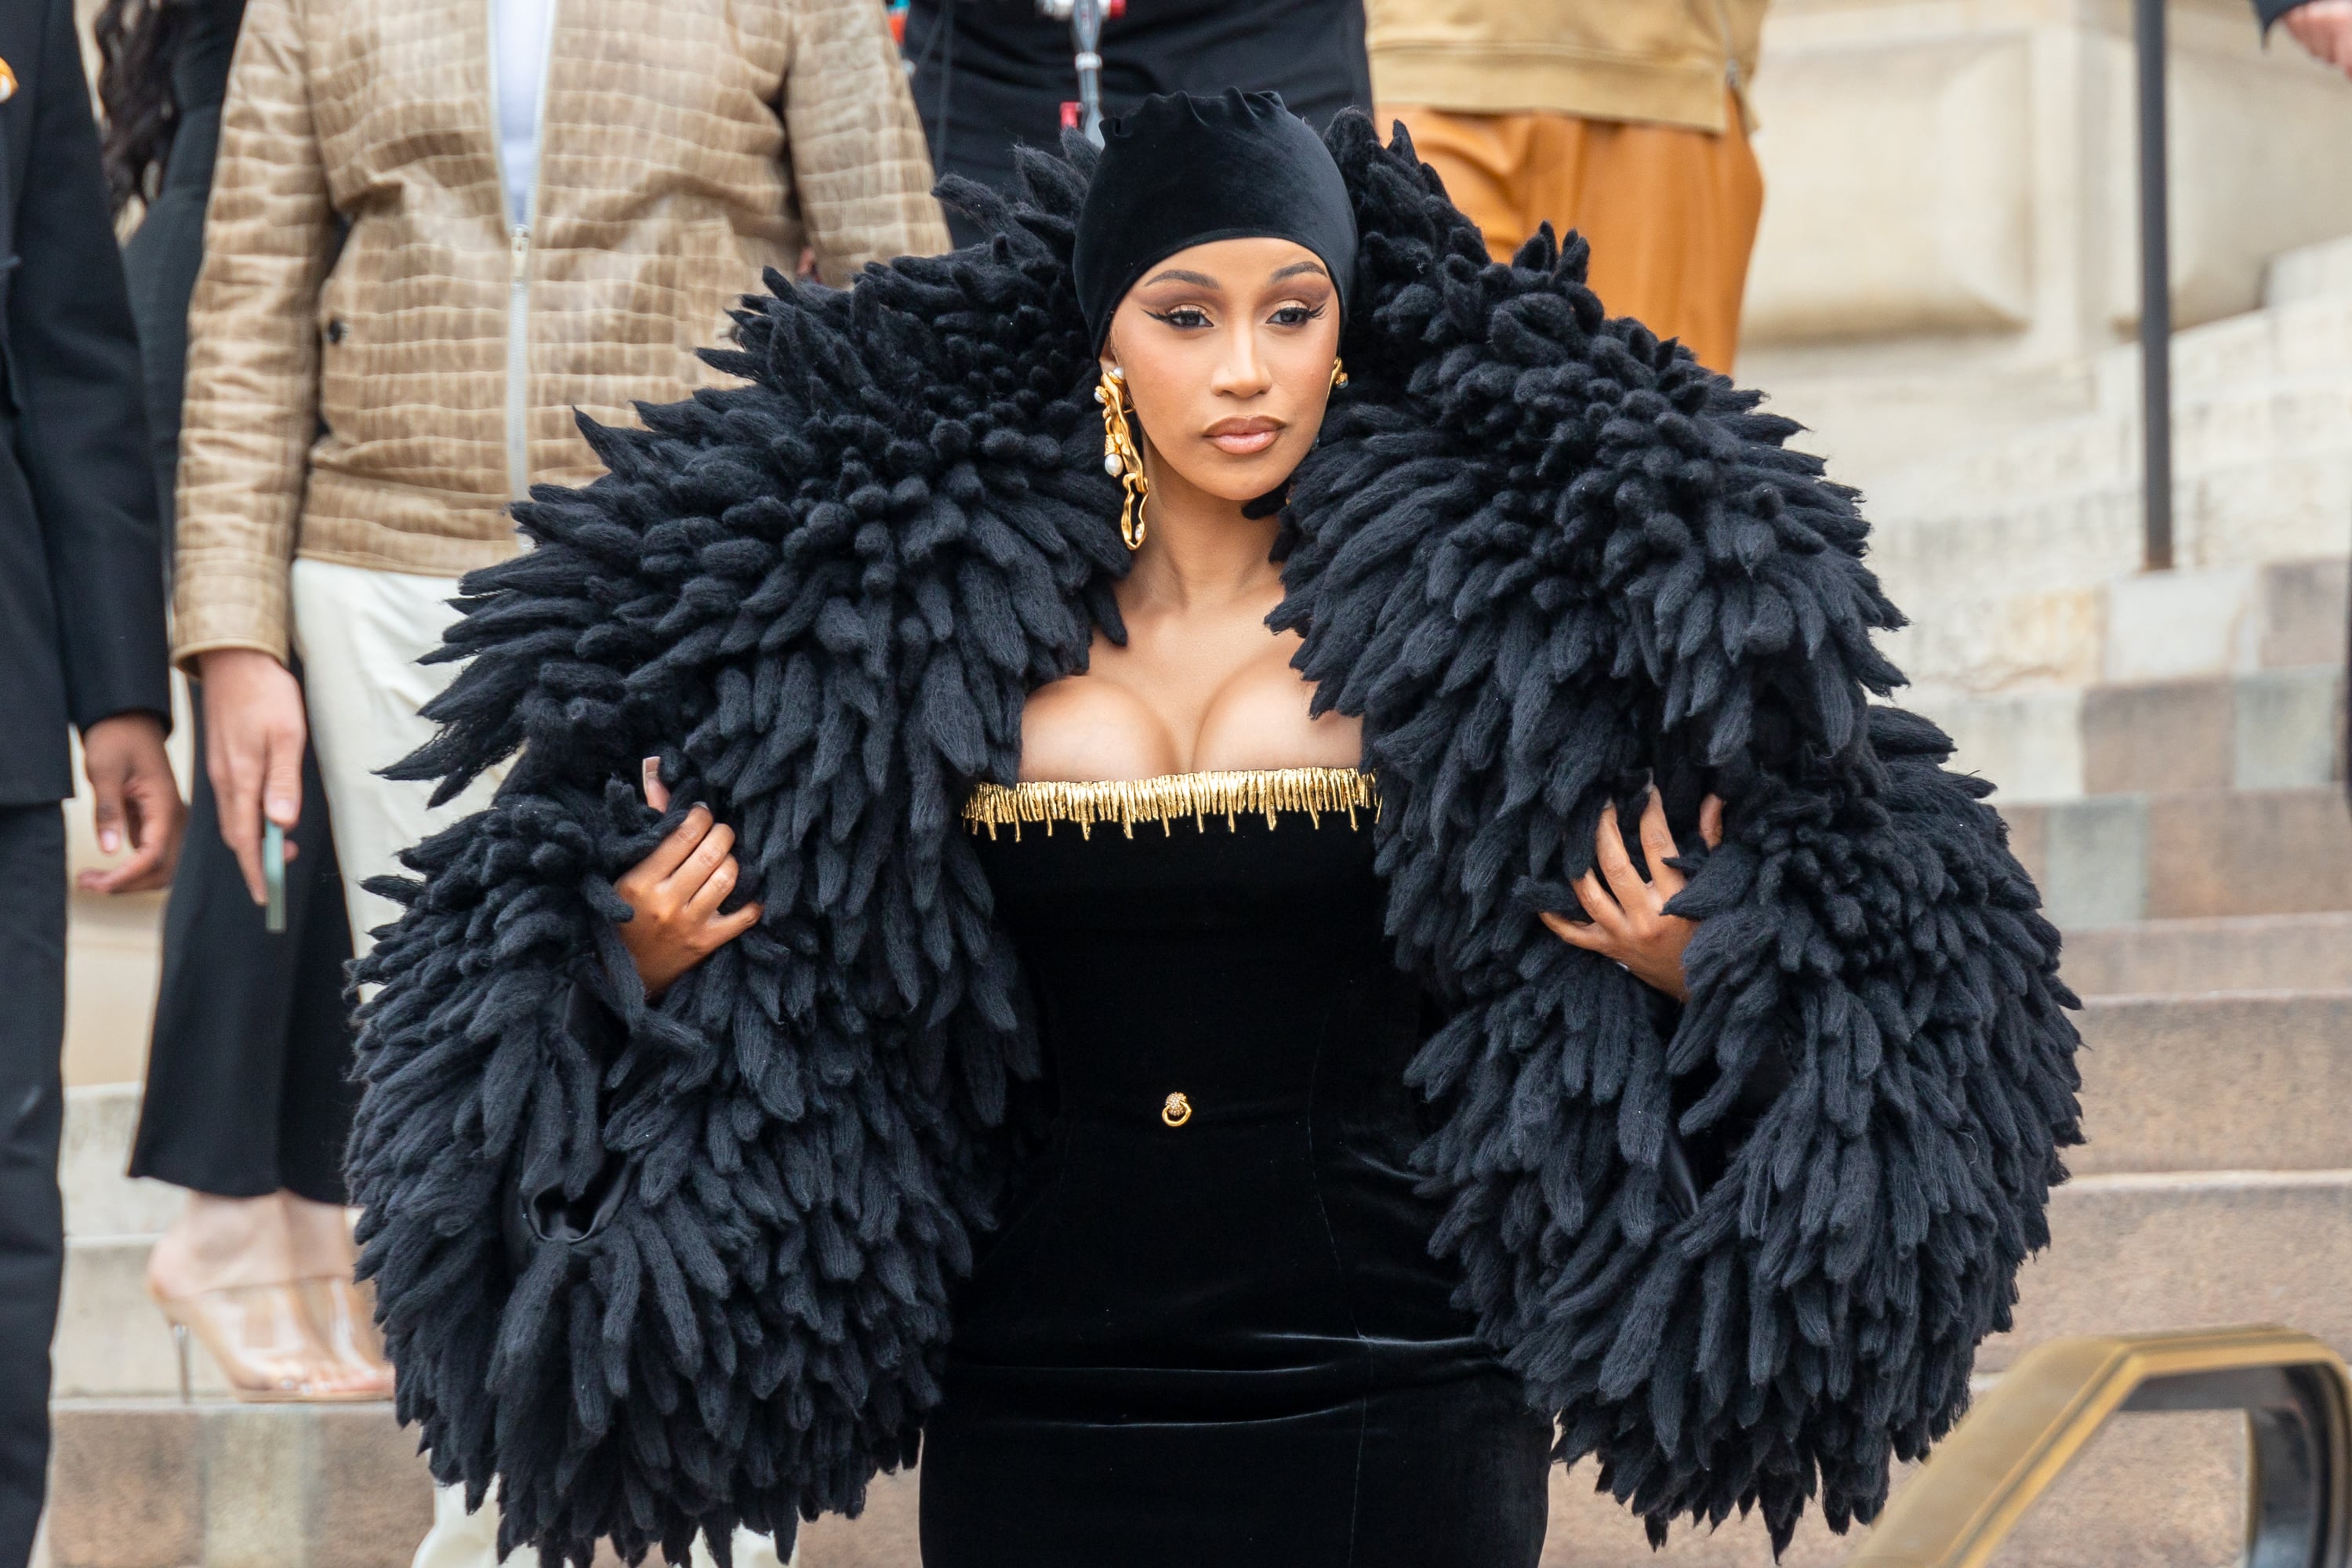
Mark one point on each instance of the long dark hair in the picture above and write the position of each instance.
(137, 42)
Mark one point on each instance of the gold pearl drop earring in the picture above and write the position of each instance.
(1338, 375)
(1121, 460)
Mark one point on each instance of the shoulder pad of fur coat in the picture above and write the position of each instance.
(1547, 559)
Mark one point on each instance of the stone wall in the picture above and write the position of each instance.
(1945, 292)
(1950, 222)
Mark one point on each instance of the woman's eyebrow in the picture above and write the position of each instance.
(1178, 275)
(1295, 268)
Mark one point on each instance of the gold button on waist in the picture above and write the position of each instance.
(1176, 1110)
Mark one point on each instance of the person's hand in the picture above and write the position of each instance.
(675, 892)
(253, 732)
(2324, 28)
(1629, 922)
(130, 783)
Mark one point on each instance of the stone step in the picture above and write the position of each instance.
(2114, 858)
(111, 1340)
(2269, 376)
(143, 1484)
(2216, 1083)
(2225, 953)
(216, 1484)
(2129, 1253)
(2187, 1250)
(2038, 590)
(2268, 497)
(2057, 597)
(2287, 395)
(146, 1484)
(2150, 1491)
(152, 1484)
(101, 1200)
(2309, 272)
(2266, 729)
(2173, 1083)
(114, 963)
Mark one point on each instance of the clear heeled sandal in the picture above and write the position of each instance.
(341, 1313)
(263, 1340)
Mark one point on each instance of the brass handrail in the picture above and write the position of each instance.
(2025, 1431)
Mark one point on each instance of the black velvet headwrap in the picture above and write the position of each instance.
(1182, 171)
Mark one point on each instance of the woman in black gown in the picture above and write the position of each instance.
(1142, 994)
(1210, 1329)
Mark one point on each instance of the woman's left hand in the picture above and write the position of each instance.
(1628, 915)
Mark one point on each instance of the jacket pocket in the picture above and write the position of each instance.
(535, 1213)
(348, 310)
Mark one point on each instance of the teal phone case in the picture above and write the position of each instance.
(273, 876)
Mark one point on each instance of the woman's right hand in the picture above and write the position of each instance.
(675, 892)
(253, 732)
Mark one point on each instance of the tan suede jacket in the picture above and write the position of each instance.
(380, 404)
(1662, 61)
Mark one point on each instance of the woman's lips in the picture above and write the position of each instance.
(1242, 437)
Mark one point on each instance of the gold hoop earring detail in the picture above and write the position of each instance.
(1338, 375)
(1121, 461)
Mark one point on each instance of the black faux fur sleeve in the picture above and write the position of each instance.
(1547, 559)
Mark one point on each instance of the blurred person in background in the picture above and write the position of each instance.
(248, 1103)
(2324, 28)
(992, 73)
(437, 228)
(1626, 120)
(81, 645)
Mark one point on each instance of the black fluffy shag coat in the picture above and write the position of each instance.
(1545, 557)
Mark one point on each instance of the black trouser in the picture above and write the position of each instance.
(248, 1086)
(32, 1109)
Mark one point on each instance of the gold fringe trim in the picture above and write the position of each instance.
(1256, 792)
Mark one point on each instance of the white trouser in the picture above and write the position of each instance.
(462, 1539)
(360, 633)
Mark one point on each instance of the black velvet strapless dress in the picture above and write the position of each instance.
(1210, 1330)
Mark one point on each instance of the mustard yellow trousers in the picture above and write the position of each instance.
(1670, 212)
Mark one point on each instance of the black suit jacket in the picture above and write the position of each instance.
(1002, 77)
(81, 567)
(2269, 11)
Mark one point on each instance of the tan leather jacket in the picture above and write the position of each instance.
(1661, 60)
(382, 411)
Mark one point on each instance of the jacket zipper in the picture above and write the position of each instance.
(518, 362)
(519, 249)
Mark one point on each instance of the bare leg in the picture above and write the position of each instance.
(220, 1244)
(224, 1272)
(319, 1238)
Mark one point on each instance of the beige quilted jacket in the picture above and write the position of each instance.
(382, 411)
(1664, 61)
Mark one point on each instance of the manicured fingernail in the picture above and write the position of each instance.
(109, 840)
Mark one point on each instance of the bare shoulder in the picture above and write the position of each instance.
(1082, 727)
(1259, 720)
